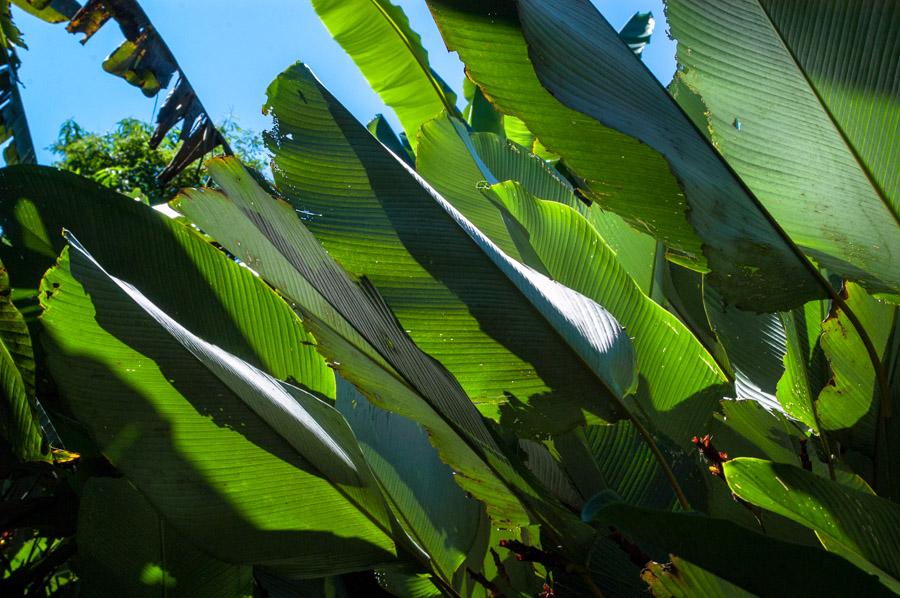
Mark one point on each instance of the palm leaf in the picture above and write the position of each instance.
(856, 524)
(19, 416)
(499, 327)
(185, 420)
(152, 559)
(377, 36)
(716, 545)
(801, 100)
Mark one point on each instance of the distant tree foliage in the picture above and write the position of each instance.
(122, 158)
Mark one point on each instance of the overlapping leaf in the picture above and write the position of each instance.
(172, 265)
(433, 510)
(151, 559)
(377, 36)
(745, 252)
(718, 545)
(500, 327)
(184, 420)
(552, 236)
(862, 527)
(19, 418)
(353, 327)
(801, 98)
(618, 172)
(851, 402)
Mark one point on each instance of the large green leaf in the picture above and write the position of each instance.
(751, 561)
(750, 261)
(617, 171)
(853, 523)
(501, 328)
(554, 238)
(801, 98)
(636, 251)
(126, 549)
(249, 468)
(19, 418)
(805, 369)
(352, 327)
(225, 304)
(850, 403)
(377, 36)
(430, 506)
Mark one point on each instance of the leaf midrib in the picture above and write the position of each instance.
(879, 191)
(425, 69)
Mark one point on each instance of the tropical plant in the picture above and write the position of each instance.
(587, 336)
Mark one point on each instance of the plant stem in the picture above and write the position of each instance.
(661, 459)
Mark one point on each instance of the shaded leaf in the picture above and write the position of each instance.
(818, 141)
(429, 505)
(126, 548)
(501, 328)
(19, 415)
(184, 420)
(858, 525)
(767, 566)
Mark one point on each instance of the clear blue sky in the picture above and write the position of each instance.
(231, 51)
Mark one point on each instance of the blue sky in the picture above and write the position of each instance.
(231, 51)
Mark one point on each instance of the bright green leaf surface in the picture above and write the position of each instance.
(500, 328)
(751, 263)
(377, 36)
(802, 100)
(250, 469)
(855, 524)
